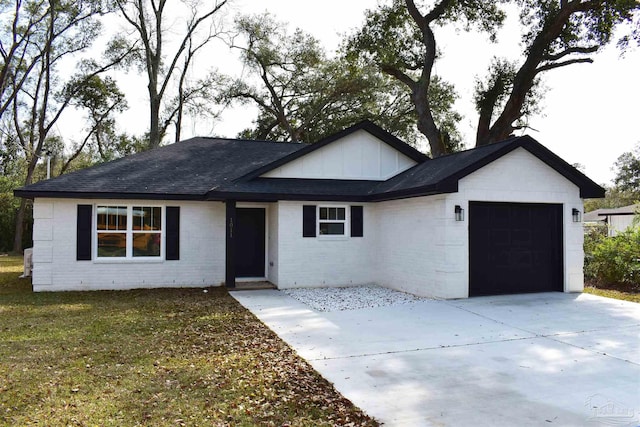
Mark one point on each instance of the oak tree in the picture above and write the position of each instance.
(302, 94)
(399, 38)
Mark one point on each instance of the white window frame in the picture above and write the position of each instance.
(129, 233)
(344, 221)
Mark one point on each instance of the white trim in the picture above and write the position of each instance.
(128, 258)
(346, 221)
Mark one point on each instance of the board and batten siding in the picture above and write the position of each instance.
(55, 267)
(359, 156)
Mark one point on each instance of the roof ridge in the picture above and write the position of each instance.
(216, 139)
(493, 144)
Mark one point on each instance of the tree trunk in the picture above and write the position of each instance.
(154, 131)
(525, 77)
(486, 113)
(179, 117)
(426, 124)
(19, 228)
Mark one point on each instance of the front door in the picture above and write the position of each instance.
(250, 242)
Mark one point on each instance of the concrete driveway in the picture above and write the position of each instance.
(537, 359)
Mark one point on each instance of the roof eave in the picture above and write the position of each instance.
(588, 188)
(274, 197)
(31, 194)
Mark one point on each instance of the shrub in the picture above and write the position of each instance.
(613, 260)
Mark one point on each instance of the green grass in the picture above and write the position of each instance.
(627, 295)
(150, 357)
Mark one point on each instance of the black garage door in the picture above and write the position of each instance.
(514, 248)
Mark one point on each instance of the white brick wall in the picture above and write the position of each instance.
(55, 267)
(521, 177)
(272, 242)
(410, 253)
(421, 249)
(323, 260)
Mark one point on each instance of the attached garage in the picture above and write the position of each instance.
(515, 248)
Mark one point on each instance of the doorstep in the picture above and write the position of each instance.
(252, 286)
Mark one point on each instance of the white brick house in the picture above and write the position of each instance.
(359, 207)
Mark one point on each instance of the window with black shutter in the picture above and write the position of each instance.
(356, 221)
(173, 233)
(308, 221)
(83, 235)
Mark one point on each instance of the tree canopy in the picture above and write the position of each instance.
(302, 94)
(627, 169)
(400, 38)
(625, 190)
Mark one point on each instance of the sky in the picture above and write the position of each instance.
(590, 111)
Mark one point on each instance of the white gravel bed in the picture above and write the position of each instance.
(350, 298)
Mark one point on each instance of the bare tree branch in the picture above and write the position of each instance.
(572, 50)
(551, 66)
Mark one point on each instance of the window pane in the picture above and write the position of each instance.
(137, 215)
(332, 228)
(101, 221)
(112, 244)
(324, 213)
(147, 218)
(112, 218)
(156, 218)
(146, 244)
(335, 214)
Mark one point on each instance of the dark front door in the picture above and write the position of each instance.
(514, 248)
(250, 242)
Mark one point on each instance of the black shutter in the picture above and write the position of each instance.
(173, 233)
(356, 221)
(308, 221)
(83, 234)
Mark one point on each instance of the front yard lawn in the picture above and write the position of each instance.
(620, 293)
(150, 357)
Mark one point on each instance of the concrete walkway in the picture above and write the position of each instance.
(537, 359)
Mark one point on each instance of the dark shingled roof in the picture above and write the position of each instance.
(185, 170)
(441, 175)
(220, 169)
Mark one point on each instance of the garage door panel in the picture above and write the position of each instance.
(521, 237)
(521, 260)
(514, 248)
(500, 237)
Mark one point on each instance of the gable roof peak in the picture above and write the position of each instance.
(366, 125)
